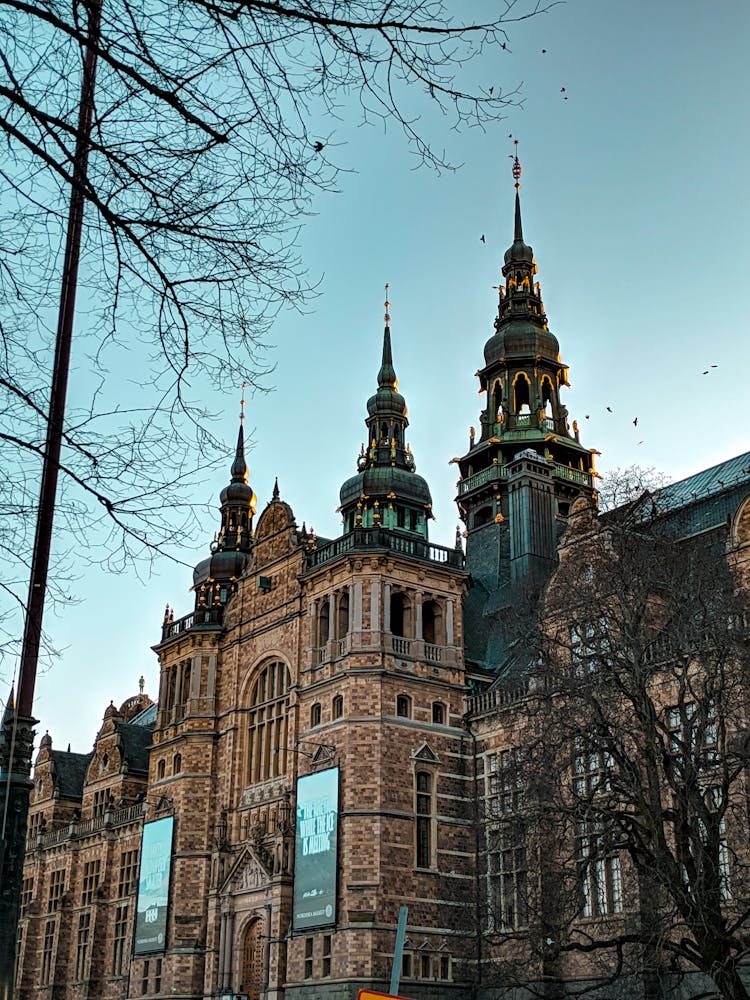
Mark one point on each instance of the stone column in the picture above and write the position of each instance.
(375, 606)
(386, 607)
(449, 639)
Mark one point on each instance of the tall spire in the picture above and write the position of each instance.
(518, 232)
(387, 374)
(239, 465)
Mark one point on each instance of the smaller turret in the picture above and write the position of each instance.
(386, 491)
(215, 578)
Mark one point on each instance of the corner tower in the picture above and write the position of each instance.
(519, 477)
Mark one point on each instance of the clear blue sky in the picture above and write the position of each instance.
(635, 202)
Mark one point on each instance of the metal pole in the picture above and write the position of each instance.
(17, 729)
(398, 953)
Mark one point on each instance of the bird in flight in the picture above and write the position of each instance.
(482, 239)
(635, 422)
(318, 146)
(609, 409)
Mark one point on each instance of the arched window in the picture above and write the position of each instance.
(342, 615)
(161, 770)
(521, 392)
(438, 713)
(269, 708)
(337, 707)
(315, 714)
(400, 614)
(177, 763)
(324, 617)
(497, 399)
(432, 622)
(251, 976)
(546, 392)
(403, 706)
(425, 816)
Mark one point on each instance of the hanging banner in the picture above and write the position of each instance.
(153, 887)
(315, 849)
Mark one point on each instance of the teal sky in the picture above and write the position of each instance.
(634, 198)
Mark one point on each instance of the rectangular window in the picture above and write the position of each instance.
(599, 871)
(508, 877)
(144, 978)
(308, 958)
(590, 647)
(82, 946)
(406, 965)
(445, 967)
(119, 941)
(27, 892)
(56, 889)
(101, 798)
(91, 874)
(592, 769)
(326, 954)
(425, 816)
(157, 975)
(128, 872)
(504, 784)
(694, 735)
(425, 967)
(48, 948)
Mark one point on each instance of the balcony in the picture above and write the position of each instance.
(203, 618)
(413, 546)
(494, 473)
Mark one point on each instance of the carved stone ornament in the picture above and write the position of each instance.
(248, 875)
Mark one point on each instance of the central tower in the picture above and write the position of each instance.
(527, 465)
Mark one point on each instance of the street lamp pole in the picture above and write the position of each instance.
(16, 734)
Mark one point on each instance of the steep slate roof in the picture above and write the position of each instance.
(70, 772)
(704, 501)
(134, 740)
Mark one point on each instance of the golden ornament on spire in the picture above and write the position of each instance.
(387, 305)
(516, 166)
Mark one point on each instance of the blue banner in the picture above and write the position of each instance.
(315, 850)
(153, 887)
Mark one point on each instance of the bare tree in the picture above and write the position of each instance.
(641, 750)
(211, 135)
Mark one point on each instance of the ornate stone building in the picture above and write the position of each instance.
(378, 657)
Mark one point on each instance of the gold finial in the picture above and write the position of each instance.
(387, 305)
(516, 166)
(242, 402)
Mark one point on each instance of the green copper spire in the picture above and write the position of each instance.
(386, 491)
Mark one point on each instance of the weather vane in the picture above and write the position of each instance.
(387, 305)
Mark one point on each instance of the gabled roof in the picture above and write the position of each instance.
(70, 772)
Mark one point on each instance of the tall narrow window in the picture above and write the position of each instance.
(82, 946)
(324, 617)
(507, 874)
(91, 875)
(269, 710)
(315, 714)
(56, 889)
(337, 707)
(425, 819)
(600, 876)
(119, 939)
(342, 615)
(308, 958)
(47, 952)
